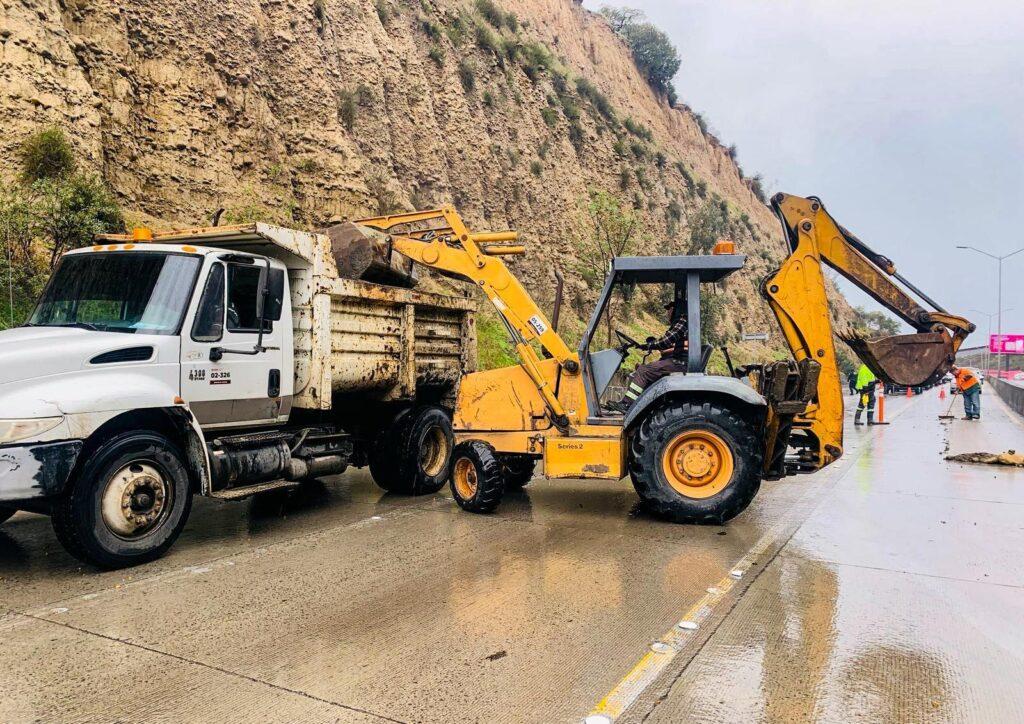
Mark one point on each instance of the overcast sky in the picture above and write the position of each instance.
(906, 117)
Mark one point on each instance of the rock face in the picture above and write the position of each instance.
(304, 111)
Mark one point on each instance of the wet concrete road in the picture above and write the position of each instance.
(889, 587)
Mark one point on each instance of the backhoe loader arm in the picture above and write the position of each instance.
(439, 239)
(797, 295)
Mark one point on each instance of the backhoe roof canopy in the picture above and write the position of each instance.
(674, 269)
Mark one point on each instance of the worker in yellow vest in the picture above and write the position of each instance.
(866, 381)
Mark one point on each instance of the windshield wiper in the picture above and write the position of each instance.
(80, 325)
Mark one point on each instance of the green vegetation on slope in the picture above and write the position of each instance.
(51, 208)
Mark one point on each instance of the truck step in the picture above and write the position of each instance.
(252, 438)
(250, 490)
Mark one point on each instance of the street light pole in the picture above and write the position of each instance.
(988, 350)
(999, 302)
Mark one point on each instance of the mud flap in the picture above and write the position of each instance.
(907, 359)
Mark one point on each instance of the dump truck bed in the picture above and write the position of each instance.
(385, 343)
(353, 338)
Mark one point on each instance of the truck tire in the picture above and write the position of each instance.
(128, 503)
(695, 463)
(6, 513)
(517, 469)
(412, 457)
(477, 483)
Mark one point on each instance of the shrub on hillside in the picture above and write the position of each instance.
(46, 154)
(653, 52)
(51, 210)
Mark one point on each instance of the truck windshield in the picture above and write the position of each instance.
(144, 292)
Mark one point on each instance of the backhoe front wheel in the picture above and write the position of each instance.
(477, 482)
(695, 463)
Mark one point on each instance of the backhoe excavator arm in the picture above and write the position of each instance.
(797, 295)
(439, 239)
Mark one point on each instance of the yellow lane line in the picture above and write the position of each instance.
(665, 649)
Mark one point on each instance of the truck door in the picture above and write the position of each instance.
(237, 389)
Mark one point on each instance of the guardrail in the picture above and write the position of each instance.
(1012, 394)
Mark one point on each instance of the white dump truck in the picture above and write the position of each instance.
(224, 362)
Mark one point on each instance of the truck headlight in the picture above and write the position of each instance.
(14, 430)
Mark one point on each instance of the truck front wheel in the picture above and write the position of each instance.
(413, 454)
(128, 503)
(695, 463)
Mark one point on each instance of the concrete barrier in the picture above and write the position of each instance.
(1012, 394)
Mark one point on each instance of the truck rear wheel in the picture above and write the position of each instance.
(412, 457)
(477, 483)
(517, 469)
(128, 503)
(695, 463)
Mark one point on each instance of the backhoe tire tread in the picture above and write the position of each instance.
(665, 422)
(517, 469)
(490, 481)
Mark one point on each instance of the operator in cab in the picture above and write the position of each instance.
(970, 387)
(673, 346)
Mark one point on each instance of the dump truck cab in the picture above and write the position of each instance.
(226, 362)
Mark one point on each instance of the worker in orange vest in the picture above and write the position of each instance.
(970, 387)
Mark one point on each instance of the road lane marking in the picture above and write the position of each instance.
(654, 662)
(663, 651)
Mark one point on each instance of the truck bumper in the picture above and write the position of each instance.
(36, 470)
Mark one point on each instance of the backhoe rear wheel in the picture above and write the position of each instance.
(477, 483)
(412, 456)
(695, 463)
(517, 469)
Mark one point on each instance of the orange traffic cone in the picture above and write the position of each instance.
(910, 392)
(942, 393)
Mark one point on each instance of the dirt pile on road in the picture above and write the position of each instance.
(305, 111)
(1010, 457)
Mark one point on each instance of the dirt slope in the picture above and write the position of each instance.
(306, 110)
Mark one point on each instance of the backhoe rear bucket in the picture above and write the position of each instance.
(905, 359)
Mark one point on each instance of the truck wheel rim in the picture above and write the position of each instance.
(698, 463)
(465, 478)
(135, 500)
(434, 452)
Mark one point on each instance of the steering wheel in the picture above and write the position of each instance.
(626, 340)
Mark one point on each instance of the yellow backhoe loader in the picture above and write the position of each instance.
(696, 446)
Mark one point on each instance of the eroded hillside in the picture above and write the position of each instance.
(302, 111)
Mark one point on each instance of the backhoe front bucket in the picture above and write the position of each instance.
(905, 359)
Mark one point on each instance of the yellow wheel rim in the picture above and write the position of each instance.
(698, 464)
(464, 476)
